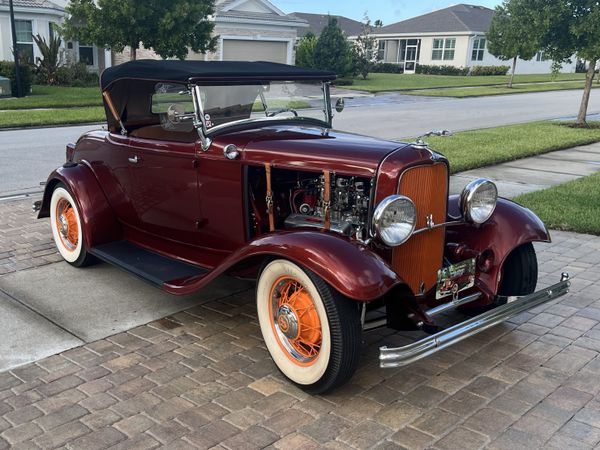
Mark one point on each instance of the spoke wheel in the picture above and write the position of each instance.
(310, 330)
(67, 229)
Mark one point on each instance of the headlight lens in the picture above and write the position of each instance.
(478, 200)
(394, 220)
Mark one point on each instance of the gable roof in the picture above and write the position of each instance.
(41, 4)
(455, 18)
(228, 9)
(316, 23)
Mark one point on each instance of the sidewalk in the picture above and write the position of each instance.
(533, 174)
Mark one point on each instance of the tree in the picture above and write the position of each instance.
(305, 52)
(568, 28)
(169, 27)
(333, 51)
(510, 37)
(47, 65)
(365, 48)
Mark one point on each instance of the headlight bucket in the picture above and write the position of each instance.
(394, 220)
(478, 200)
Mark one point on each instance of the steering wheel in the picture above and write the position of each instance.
(282, 110)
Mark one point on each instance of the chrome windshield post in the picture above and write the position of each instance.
(327, 100)
(199, 120)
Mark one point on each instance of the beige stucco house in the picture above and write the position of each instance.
(450, 36)
(247, 30)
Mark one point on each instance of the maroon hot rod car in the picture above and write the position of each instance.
(233, 167)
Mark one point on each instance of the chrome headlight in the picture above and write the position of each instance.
(478, 200)
(394, 220)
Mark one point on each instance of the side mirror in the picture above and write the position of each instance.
(340, 105)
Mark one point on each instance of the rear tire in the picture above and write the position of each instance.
(67, 230)
(311, 331)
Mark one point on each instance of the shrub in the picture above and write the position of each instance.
(7, 69)
(343, 82)
(305, 52)
(51, 58)
(76, 75)
(387, 68)
(441, 70)
(489, 70)
(333, 51)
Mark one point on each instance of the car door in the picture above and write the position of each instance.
(163, 188)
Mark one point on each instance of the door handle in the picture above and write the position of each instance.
(134, 159)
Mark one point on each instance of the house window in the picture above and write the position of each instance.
(381, 51)
(540, 56)
(86, 54)
(443, 49)
(24, 39)
(478, 49)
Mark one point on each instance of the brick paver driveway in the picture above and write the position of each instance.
(203, 378)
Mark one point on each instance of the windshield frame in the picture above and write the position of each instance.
(205, 133)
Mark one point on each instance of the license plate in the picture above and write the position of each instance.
(455, 278)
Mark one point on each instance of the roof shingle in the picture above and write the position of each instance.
(454, 18)
(32, 4)
(317, 22)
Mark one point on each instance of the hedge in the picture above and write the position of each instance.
(387, 68)
(489, 70)
(441, 70)
(7, 69)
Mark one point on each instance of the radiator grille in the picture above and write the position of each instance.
(418, 260)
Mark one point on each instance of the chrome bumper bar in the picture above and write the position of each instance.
(401, 356)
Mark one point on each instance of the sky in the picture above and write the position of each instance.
(389, 11)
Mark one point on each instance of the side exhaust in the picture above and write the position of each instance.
(401, 356)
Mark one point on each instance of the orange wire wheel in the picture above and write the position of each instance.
(66, 224)
(295, 321)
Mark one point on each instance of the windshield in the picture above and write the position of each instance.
(228, 104)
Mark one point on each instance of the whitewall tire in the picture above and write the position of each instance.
(310, 330)
(67, 229)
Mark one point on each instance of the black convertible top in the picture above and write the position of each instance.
(198, 71)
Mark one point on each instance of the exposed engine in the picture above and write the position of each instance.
(299, 201)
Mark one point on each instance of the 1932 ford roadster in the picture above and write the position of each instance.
(233, 167)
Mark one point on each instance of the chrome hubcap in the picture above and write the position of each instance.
(287, 322)
(64, 225)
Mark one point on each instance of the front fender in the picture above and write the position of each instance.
(510, 226)
(353, 270)
(98, 219)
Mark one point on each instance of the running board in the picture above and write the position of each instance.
(146, 264)
(401, 356)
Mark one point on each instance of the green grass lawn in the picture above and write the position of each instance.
(380, 82)
(55, 97)
(30, 118)
(479, 148)
(572, 206)
(499, 90)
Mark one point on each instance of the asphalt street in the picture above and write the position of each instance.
(28, 156)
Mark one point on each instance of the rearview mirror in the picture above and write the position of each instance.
(340, 105)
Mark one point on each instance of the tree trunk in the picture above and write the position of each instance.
(589, 79)
(133, 52)
(512, 73)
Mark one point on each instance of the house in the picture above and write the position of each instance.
(450, 36)
(248, 30)
(41, 17)
(316, 23)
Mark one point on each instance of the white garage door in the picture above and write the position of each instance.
(241, 50)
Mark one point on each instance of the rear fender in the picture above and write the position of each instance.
(353, 270)
(510, 226)
(99, 222)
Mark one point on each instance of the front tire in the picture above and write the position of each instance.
(520, 272)
(67, 230)
(310, 330)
